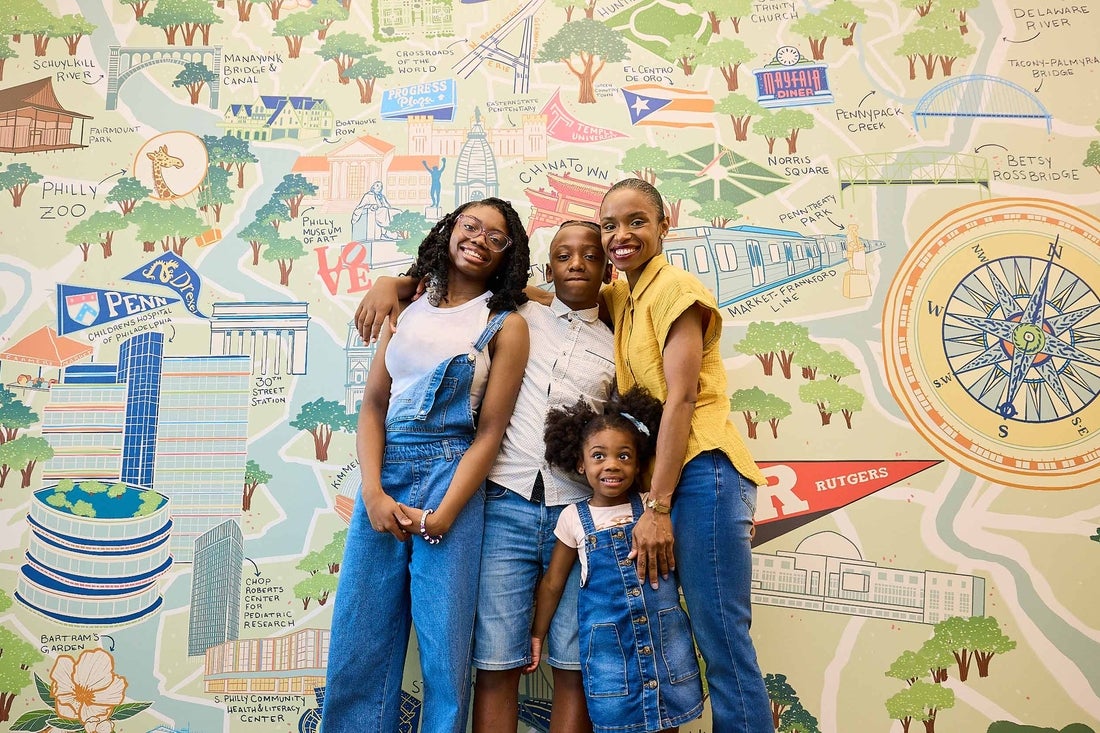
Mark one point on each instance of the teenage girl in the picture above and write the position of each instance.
(637, 657)
(431, 423)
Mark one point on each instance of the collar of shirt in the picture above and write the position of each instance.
(561, 310)
(649, 274)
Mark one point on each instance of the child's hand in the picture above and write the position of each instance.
(536, 655)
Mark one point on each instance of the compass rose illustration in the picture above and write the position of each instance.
(993, 341)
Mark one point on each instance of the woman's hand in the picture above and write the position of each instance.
(387, 515)
(652, 550)
(536, 655)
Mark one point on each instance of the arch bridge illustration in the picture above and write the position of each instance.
(125, 61)
(980, 96)
(916, 167)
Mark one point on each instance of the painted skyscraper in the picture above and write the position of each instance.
(215, 588)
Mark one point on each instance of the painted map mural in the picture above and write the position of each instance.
(894, 202)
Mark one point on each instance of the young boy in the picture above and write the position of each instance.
(572, 356)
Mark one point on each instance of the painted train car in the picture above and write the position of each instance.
(741, 261)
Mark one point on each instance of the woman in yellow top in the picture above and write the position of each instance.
(702, 495)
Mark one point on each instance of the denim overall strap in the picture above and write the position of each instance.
(491, 329)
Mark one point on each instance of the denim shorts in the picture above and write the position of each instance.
(519, 539)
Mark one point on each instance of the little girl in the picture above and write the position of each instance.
(637, 656)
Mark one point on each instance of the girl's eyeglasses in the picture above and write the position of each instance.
(471, 226)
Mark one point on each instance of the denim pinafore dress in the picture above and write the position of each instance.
(637, 656)
(385, 583)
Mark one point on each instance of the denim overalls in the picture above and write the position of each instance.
(385, 582)
(637, 655)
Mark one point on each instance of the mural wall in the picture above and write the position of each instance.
(894, 202)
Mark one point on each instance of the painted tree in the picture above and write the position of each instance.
(126, 192)
(344, 49)
(324, 14)
(758, 406)
(244, 10)
(675, 190)
(284, 250)
(320, 419)
(726, 55)
(169, 16)
(138, 6)
(787, 123)
(193, 78)
(412, 227)
(810, 358)
(230, 152)
(987, 640)
(254, 475)
(24, 453)
(316, 587)
(593, 44)
(683, 51)
(937, 656)
(1092, 156)
(909, 666)
(921, 6)
(769, 128)
(934, 41)
(105, 224)
(14, 415)
(817, 28)
(848, 15)
(17, 656)
(15, 179)
(767, 340)
(24, 16)
(838, 366)
(780, 694)
(904, 706)
(273, 6)
(715, 10)
(741, 109)
(823, 394)
(312, 563)
(6, 52)
(258, 234)
(568, 5)
(333, 552)
(718, 211)
(44, 30)
(932, 699)
(292, 189)
(960, 7)
(72, 28)
(214, 191)
(83, 235)
(797, 719)
(646, 162)
(151, 221)
(293, 29)
(366, 72)
(274, 212)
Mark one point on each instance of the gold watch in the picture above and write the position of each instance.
(657, 507)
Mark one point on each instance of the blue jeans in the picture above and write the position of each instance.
(519, 539)
(711, 519)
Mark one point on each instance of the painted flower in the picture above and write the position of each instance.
(87, 689)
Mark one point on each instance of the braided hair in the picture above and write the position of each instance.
(567, 428)
(433, 259)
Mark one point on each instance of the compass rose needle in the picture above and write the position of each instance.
(1061, 323)
(1050, 376)
(1036, 304)
(1008, 304)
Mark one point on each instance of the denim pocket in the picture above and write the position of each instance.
(409, 413)
(677, 647)
(748, 494)
(605, 664)
(494, 491)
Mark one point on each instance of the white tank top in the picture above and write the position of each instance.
(427, 335)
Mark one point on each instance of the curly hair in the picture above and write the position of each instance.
(433, 258)
(644, 188)
(568, 428)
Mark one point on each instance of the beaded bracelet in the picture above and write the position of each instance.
(431, 539)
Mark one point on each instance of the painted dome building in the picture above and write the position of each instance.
(96, 552)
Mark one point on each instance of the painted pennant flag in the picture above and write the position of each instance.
(81, 307)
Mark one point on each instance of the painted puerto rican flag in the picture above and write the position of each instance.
(654, 104)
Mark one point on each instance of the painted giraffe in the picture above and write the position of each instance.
(162, 159)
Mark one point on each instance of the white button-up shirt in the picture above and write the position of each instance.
(572, 356)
